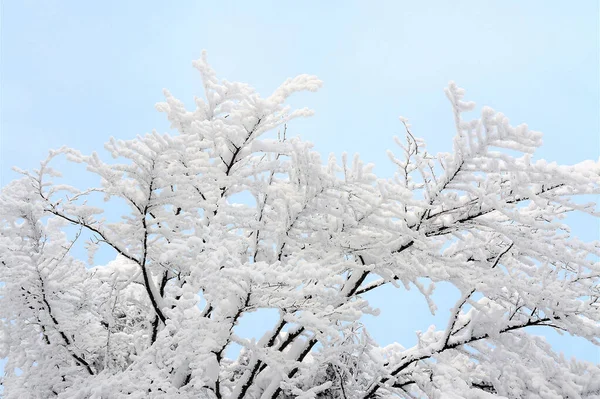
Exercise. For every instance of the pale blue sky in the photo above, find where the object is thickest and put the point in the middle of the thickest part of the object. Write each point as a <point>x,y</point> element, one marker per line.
<point>75,73</point>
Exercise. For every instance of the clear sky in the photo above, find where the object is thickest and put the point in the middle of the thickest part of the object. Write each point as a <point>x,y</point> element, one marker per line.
<point>76,72</point>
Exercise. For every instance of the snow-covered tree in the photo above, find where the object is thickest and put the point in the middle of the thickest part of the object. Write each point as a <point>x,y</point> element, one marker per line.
<point>310,241</point>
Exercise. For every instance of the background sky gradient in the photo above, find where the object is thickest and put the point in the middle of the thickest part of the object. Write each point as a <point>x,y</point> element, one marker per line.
<point>75,73</point>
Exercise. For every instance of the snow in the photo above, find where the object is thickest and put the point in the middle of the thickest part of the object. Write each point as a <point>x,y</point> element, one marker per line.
<point>196,259</point>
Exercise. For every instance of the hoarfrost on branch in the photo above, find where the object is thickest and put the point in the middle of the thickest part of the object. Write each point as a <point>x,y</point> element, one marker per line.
<point>159,319</point>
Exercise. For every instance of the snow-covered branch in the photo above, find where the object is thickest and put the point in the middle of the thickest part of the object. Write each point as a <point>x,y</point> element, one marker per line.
<point>226,218</point>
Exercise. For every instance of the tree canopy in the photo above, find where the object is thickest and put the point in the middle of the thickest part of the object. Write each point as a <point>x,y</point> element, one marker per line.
<point>311,240</point>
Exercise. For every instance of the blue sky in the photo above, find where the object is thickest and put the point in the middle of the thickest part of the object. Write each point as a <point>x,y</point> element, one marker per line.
<point>75,73</point>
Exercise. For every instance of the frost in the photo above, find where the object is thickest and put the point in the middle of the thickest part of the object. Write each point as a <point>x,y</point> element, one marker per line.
<point>311,240</point>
